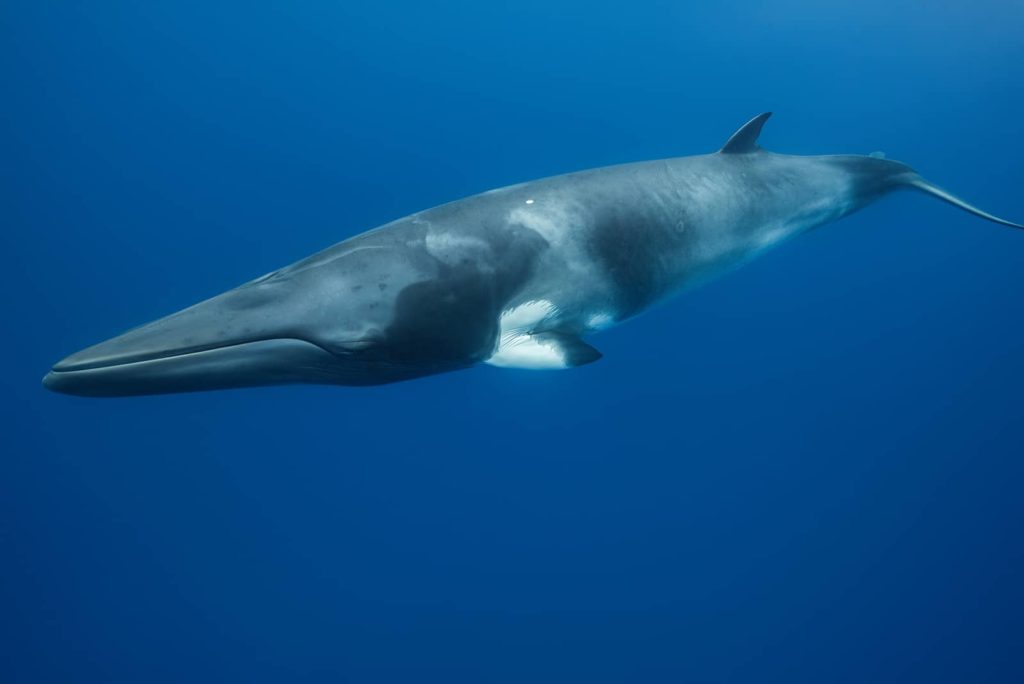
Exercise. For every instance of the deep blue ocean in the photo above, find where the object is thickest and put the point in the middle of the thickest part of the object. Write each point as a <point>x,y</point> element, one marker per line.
<point>810,470</point>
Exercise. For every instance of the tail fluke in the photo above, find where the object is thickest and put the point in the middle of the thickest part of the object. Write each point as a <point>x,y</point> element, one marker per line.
<point>921,184</point>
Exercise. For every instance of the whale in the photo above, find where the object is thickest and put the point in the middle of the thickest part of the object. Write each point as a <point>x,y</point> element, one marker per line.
<point>518,277</point>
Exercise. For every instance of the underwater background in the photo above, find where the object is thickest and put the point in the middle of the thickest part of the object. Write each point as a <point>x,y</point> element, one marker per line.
<point>807,471</point>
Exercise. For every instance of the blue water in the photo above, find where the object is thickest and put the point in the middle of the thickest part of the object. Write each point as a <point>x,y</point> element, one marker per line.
<point>808,471</point>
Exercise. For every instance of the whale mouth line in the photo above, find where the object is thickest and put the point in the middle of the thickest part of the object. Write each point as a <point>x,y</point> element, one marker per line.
<point>272,361</point>
<point>67,366</point>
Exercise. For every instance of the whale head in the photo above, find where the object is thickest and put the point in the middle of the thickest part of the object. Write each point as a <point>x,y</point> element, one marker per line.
<point>352,315</point>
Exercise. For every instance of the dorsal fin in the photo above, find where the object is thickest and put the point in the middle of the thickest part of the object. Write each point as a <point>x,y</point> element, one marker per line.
<point>744,140</point>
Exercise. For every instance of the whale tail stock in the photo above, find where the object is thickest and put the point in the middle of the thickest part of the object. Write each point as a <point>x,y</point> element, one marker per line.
<point>877,174</point>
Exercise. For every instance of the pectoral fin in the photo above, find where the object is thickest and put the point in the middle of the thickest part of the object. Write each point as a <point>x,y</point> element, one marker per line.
<point>542,351</point>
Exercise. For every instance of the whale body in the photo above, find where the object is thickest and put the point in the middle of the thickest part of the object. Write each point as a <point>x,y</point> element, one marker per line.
<point>514,277</point>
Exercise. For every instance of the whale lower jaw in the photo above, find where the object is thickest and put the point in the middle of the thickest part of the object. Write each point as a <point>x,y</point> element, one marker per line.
<point>248,364</point>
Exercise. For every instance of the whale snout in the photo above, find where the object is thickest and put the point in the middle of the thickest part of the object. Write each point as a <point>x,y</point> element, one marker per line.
<point>254,335</point>
<point>261,362</point>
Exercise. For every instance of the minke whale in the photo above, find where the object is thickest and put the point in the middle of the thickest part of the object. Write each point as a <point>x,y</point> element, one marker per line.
<point>516,277</point>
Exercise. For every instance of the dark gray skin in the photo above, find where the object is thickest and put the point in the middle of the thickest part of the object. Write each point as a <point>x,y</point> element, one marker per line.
<point>515,277</point>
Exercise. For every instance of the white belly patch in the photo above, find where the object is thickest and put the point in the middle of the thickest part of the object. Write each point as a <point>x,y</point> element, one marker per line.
<point>517,347</point>
<point>521,346</point>
<point>527,351</point>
